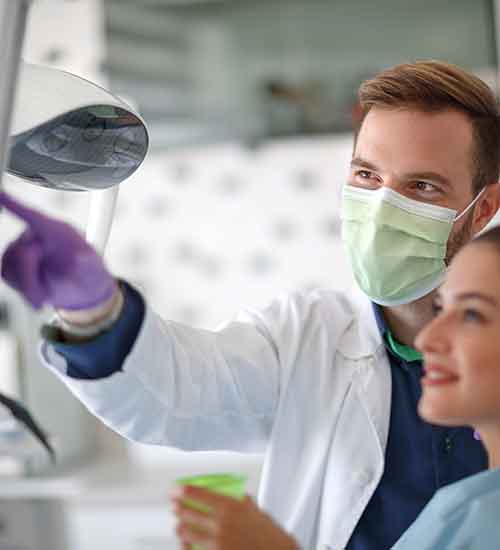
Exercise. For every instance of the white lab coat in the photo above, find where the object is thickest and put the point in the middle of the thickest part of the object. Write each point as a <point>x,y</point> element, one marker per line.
<point>306,380</point>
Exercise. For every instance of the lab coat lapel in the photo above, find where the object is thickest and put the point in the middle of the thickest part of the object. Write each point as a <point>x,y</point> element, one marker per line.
<point>356,458</point>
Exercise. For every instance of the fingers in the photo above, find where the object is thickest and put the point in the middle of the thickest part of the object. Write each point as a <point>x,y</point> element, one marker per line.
<point>21,268</point>
<point>48,229</point>
<point>193,538</point>
<point>29,215</point>
<point>188,516</point>
<point>203,517</point>
<point>208,499</point>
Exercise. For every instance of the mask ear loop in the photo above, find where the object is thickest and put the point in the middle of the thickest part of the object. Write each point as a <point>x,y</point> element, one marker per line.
<point>470,206</point>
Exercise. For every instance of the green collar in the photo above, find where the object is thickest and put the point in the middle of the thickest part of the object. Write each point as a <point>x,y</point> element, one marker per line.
<point>403,352</point>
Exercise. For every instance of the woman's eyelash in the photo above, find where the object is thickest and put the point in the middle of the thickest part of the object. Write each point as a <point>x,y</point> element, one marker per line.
<point>436,308</point>
<point>472,315</point>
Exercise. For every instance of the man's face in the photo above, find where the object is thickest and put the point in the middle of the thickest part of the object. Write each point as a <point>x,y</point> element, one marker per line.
<point>423,156</point>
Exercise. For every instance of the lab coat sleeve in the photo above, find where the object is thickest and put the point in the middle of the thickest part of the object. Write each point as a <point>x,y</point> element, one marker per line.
<point>189,388</point>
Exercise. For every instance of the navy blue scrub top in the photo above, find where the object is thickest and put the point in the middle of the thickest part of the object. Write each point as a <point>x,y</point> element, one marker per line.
<point>419,458</point>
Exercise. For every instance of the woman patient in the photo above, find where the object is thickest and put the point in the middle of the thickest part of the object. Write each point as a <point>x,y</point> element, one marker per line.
<point>461,386</point>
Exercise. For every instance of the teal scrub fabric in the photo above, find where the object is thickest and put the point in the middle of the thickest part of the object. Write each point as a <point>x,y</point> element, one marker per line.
<point>461,516</point>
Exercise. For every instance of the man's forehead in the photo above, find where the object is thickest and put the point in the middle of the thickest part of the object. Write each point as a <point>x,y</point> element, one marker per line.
<point>414,141</point>
<point>449,121</point>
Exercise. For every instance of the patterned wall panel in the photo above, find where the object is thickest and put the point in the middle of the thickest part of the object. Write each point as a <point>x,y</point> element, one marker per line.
<point>206,231</point>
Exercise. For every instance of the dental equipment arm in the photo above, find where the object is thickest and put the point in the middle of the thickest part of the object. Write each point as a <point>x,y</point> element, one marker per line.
<point>13,15</point>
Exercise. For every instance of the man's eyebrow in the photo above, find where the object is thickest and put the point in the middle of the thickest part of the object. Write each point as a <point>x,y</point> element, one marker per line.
<point>476,296</point>
<point>429,175</point>
<point>358,161</point>
<point>433,176</point>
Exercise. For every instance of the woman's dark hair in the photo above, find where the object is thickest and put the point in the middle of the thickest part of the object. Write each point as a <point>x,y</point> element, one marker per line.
<point>492,236</point>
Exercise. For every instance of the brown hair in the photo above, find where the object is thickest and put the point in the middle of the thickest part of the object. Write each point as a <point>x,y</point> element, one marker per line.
<point>492,237</point>
<point>432,86</point>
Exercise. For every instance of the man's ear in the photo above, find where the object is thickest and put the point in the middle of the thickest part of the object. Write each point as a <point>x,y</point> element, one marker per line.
<point>487,206</point>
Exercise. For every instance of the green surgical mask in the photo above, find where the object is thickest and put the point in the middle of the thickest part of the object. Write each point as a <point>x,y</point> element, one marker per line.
<point>396,245</point>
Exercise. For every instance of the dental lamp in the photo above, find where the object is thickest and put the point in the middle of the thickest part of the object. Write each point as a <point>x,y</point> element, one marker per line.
<point>60,131</point>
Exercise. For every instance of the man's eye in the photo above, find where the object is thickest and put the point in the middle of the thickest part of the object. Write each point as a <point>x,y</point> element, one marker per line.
<point>425,186</point>
<point>364,174</point>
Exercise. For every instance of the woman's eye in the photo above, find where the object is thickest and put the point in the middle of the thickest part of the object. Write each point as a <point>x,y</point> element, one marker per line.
<point>436,309</point>
<point>472,315</point>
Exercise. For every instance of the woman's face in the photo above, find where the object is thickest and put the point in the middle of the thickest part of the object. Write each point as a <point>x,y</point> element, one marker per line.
<point>461,346</point>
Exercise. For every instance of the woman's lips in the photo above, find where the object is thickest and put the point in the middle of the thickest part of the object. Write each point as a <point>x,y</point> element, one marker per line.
<point>437,376</point>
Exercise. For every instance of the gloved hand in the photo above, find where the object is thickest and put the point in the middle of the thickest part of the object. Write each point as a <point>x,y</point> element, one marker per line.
<point>52,264</point>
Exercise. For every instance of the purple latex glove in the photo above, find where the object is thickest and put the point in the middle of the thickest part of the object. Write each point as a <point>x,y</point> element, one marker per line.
<point>51,263</point>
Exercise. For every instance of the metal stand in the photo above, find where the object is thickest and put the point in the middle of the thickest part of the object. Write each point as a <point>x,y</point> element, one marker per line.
<point>13,14</point>
<point>100,217</point>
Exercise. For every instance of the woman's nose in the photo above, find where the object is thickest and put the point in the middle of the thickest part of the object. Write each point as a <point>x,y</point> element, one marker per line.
<point>434,336</point>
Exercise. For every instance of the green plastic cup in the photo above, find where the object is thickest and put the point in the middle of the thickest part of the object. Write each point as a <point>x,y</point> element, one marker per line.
<point>230,485</point>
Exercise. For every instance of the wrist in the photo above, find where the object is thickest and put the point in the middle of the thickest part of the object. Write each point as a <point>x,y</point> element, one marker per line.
<point>91,316</point>
<point>88,324</point>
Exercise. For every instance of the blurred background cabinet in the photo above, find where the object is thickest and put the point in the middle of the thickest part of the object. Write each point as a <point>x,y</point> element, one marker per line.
<point>29,525</point>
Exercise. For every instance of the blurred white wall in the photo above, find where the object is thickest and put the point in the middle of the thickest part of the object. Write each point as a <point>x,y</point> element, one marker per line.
<point>67,35</point>
<point>206,231</point>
